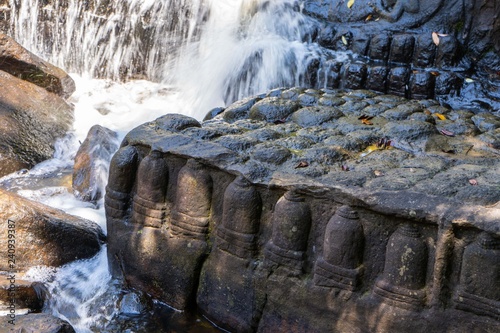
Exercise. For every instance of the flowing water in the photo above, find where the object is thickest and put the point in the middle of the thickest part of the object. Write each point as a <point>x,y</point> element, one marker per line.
<point>133,61</point>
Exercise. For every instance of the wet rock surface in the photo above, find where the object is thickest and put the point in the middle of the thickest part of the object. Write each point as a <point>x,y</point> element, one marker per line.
<point>38,323</point>
<point>31,119</point>
<point>91,163</point>
<point>314,210</point>
<point>44,235</point>
<point>19,62</point>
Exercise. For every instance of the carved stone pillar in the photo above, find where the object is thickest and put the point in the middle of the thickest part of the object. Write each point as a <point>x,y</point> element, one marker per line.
<point>191,211</point>
<point>240,220</point>
<point>479,290</point>
<point>403,281</point>
<point>340,264</point>
<point>152,181</point>
<point>123,168</point>
<point>291,224</point>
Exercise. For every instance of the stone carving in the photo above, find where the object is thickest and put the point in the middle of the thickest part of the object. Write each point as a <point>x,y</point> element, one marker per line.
<point>393,9</point>
<point>291,223</point>
<point>340,265</point>
<point>191,210</point>
<point>121,181</point>
<point>479,290</point>
<point>403,281</point>
<point>149,202</point>
<point>223,295</point>
<point>240,220</point>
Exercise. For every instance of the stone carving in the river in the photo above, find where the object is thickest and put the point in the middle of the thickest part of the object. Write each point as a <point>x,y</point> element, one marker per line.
<point>479,290</point>
<point>291,224</point>
<point>340,264</point>
<point>405,270</point>
<point>240,220</point>
<point>222,293</point>
<point>190,214</point>
<point>149,202</point>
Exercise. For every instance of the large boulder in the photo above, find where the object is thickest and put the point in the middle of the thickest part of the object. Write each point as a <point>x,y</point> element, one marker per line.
<point>43,235</point>
<point>90,171</point>
<point>36,323</point>
<point>19,62</point>
<point>31,119</point>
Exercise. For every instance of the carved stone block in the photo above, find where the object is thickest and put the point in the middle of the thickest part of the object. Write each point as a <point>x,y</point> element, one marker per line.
<point>149,202</point>
<point>479,290</point>
<point>340,264</point>
<point>403,281</point>
<point>191,210</point>
<point>291,223</point>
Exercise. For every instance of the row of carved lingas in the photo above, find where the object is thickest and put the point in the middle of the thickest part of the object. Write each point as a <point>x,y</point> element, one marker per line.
<point>421,52</point>
<point>479,290</point>
<point>240,220</point>
<point>400,81</point>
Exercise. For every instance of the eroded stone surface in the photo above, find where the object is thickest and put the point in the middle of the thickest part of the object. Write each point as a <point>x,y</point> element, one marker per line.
<point>314,215</point>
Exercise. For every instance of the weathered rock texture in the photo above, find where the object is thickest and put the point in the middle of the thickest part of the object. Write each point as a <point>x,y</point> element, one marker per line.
<point>31,119</point>
<point>44,235</point>
<point>19,62</point>
<point>91,163</point>
<point>296,211</point>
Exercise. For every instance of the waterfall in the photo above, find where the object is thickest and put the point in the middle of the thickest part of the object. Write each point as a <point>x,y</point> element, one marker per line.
<point>215,51</point>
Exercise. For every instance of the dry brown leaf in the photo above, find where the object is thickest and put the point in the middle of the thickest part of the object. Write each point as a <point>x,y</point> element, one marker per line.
<point>302,164</point>
<point>435,38</point>
<point>435,73</point>
<point>378,173</point>
<point>369,17</point>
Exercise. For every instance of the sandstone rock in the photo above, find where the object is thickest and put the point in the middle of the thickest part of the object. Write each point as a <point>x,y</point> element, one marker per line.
<point>314,223</point>
<point>31,119</point>
<point>44,235</point>
<point>37,323</point>
<point>19,62</point>
<point>90,171</point>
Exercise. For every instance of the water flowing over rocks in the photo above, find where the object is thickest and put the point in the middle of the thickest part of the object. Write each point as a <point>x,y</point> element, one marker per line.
<point>90,170</point>
<point>44,235</point>
<point>314,210</point>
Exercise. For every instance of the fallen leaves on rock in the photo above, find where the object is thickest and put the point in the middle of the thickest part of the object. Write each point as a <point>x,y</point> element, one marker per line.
<point>435,38</point>
<point>440,116</point>
<point>345,167</point>
<point>473,182</point>
<point>344,40</point>
<point>378,173</point>
<point>302,164</point>
<point>469,80</point>
<point>369,17</point>
<point>350,3</point>
<point>446,132</point>
<point>366,119</point>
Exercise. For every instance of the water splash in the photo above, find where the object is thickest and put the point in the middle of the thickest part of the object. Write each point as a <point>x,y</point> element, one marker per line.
<point>213,51</point>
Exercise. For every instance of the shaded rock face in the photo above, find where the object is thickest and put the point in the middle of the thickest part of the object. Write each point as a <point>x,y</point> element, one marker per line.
<point>36,323</point>
<point>19,62</point>
<point>378,218</point>
<point>44,235</point>
<point>31,119</point>
<point>90,170</point>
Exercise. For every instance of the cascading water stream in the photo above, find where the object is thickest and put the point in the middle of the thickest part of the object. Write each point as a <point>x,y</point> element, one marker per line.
<point>190,56</point>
